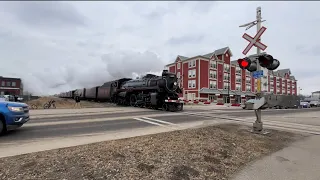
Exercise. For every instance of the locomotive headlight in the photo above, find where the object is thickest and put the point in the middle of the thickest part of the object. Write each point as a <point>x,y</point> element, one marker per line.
<point>175,83</point>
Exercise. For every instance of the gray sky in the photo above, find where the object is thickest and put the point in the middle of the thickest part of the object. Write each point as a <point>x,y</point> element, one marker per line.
<point>58,46</point>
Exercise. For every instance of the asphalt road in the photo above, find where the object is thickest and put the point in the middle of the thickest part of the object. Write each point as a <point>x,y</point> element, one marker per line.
<point>100,123</point>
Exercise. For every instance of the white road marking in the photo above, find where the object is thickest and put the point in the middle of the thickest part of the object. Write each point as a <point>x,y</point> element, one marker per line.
<point>35,123</point>
<point>154,123</point>
<point>160,121</point>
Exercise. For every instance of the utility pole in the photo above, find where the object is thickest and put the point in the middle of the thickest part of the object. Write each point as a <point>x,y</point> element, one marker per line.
<point>229,87</point>
<point>257,125</point>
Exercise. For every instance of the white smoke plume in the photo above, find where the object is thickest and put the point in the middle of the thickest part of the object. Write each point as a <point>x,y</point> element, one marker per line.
<point>120,64</point>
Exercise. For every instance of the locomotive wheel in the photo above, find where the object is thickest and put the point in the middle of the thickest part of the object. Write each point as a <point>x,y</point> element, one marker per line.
<point>164,107</point>
<point>148,105</point>
<point>179,107</point>
<point>133,99</point>
<point>172,108</point>
<point>142,105</point>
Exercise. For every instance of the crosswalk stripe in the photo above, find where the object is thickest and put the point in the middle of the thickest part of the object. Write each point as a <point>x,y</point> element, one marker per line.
<point>160,121</point>
<point>150,122</point>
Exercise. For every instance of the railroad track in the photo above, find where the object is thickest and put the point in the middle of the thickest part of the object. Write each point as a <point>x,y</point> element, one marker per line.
<point>288,126</point>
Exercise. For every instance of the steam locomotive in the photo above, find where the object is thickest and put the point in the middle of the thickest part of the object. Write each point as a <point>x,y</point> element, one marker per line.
<point>151,91</point>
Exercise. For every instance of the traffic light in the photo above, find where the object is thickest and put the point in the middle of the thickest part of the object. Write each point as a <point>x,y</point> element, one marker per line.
<point>268,62</point>
<point>247,64</point>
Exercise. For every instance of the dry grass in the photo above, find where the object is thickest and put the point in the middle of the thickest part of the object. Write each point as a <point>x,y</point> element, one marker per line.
<point>62,103</point>
<point>214,152</point>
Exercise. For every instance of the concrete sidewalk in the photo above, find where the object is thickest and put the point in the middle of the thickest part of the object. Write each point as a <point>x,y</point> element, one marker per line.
<point>300,161</point>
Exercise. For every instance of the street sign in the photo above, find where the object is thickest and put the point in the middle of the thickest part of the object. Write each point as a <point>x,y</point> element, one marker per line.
<point>257,74</point>
<point>254,41</point>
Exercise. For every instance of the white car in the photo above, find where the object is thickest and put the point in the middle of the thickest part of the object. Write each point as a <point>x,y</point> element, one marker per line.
<point>3,98</point>
<point>304,104</point>
<point>314,103</point>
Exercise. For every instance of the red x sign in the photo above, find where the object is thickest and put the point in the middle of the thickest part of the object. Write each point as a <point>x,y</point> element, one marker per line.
<point>254,41</point>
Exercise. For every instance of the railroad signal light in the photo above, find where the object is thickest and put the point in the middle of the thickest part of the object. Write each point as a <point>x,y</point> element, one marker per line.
<point>247,64</point>
<point>267,61</point>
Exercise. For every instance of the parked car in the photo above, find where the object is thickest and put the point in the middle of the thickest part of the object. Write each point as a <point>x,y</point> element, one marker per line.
<point>3,98</point>
<point>304,104</point>
<point>314,103</point>
<point>12,115</point>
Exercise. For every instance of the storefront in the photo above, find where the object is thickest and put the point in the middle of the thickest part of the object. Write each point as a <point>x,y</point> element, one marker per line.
<point>227,96</point>
<point>212,94</point>
<point>239,97</point>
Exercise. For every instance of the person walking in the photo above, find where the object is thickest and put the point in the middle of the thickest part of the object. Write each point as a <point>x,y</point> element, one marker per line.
<point>77,104</point>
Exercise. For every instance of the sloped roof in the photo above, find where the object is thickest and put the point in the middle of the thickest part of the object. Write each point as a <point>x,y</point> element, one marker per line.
<point>234,62</point>
<point>207,56</point>
<point>182,57</point>
<point>282,72</point>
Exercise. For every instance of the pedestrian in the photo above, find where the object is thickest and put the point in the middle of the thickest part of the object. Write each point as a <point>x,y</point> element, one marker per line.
<point>77,99</point>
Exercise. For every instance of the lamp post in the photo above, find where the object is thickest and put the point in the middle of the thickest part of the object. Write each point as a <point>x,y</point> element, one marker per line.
<point>229,87</point>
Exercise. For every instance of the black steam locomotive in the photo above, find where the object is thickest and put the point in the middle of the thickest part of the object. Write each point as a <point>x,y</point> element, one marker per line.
<point>151,91</point>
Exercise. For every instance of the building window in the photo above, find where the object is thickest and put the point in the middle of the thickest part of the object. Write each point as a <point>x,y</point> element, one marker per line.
<point>3,83</point>
<point>213,74</point>
<point>213,64</point>
<point>225,85</point>
<point>8,83</point>
<point>13,84</point>
<point>226,67</point>
<point>248,79</point>
<point>192,73</point>
<point>192,83</point>
<point>226,76</point>
<point>178,74</point>
<point>238,87</point>
<point>178,66</point>
<point>192,63</point>
<point>238,70</point>
<point>248,88</point>
<point>238,78</point>
<point>213,84</point>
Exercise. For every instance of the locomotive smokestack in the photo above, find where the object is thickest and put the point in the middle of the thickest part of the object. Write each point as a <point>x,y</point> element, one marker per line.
<point>164,72</point>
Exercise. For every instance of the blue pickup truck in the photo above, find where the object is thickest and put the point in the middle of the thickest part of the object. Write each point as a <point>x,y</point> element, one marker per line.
<point>12,115</point>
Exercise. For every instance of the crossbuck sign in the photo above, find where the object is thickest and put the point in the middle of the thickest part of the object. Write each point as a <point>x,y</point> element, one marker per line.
<point>254,41</point>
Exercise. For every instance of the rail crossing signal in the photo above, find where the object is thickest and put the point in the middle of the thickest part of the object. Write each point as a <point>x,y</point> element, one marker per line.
<point>247,64</point>
<point>264,60</point>
<point>268,62</point>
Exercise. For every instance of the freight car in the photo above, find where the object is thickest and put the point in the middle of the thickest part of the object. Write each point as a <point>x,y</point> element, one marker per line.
<point>81,93</point>
<point>91,93</point>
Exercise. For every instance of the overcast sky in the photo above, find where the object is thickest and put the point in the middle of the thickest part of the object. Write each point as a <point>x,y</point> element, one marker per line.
<point>58,46</point>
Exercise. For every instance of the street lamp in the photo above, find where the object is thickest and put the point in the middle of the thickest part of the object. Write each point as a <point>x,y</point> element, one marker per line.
<point>229,86</point>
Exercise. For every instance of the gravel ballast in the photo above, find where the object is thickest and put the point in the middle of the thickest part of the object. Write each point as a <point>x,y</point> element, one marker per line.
<point>214,152</point>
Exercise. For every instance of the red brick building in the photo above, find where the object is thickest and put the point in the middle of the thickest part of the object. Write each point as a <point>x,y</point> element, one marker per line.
<point>215,77</point>
<point>10,86</point>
